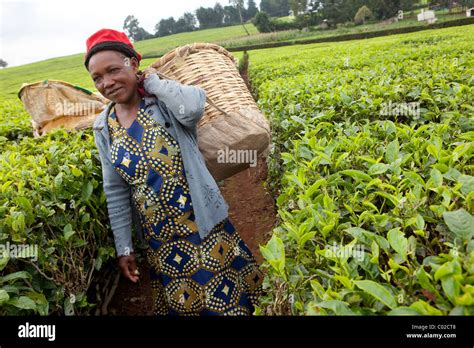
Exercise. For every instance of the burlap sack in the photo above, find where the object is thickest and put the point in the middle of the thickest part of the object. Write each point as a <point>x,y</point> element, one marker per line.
<point>53,104</point>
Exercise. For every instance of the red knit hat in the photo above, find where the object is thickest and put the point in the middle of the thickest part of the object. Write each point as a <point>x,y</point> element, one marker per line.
<point>109,39</point>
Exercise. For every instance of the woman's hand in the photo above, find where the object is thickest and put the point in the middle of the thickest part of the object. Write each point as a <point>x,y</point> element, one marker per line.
<point>141,77</point>
<point>128,267</point>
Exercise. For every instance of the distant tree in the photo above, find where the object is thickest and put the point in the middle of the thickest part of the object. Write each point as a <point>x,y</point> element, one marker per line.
<point>132,27</point>
<point>298,6</point>
<point>453,3</point>
<point>336,11</point>
<point>283,7</point>
<point>362,15</point>
<point>210,17</point>
<point>442,3</point>
<point>275,8</point>
<point>190,21</point>
<point>142,34</point>
<point>166,27</point>
<point>383,9</point>
<point>231,15</point>
<point>205,17</point>
<point>179,26</point>
<point>467,3</point>
<point>239,4</point>
<point>186,22</point>
<point>251,10</point>
<point>3,64</point>
<point>340,11</point>
<point>406,5</point>
<point>157,28</point>
<point>262,22</point>
<point>266,6</point>
<point>218,15</point>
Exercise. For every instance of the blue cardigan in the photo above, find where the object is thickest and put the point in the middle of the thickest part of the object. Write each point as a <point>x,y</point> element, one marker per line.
<point>178,108</point>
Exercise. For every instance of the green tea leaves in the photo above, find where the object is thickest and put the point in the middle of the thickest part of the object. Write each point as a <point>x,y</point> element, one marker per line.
<point>68,231</point>
<point>377,291</point>
<point>398,242</point>
<point>274,253</point>
<point>378,168</point>
<point>460,223</point>
<point>3,296</point>
<point>356,174</point>
<point>392,152</point>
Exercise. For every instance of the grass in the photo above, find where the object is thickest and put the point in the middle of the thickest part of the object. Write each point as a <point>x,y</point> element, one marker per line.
<point>160,46</point>
<point>287,19</point>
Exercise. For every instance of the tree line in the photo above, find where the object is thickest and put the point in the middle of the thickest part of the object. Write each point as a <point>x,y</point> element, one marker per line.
<point>203,18</point>
<point>307,13</point>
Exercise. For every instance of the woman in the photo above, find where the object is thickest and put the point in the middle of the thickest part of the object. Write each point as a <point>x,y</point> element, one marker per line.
<point>155,178</point>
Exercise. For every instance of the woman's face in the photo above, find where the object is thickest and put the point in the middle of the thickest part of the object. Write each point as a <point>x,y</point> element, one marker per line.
<point>114,75</point>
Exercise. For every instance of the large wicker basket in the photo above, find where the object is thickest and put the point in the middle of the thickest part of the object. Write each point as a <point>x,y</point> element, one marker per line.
<point>232,122</point>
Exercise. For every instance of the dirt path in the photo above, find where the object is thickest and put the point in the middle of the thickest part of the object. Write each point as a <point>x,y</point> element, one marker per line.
<point>252,209</point>
<point>252,212</point>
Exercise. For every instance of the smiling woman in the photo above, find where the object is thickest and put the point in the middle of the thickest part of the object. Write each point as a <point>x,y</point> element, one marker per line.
<point>114,76</point>
<point>155,178</point>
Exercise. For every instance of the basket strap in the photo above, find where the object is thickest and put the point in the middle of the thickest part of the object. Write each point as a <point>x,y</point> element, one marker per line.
<point>208,100</point>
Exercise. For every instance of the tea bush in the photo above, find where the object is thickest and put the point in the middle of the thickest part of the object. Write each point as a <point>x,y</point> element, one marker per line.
<point>51,202</point>
<point>372,166</point>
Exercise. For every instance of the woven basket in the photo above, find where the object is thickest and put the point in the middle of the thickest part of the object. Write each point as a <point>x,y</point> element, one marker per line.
<point>231,120</point>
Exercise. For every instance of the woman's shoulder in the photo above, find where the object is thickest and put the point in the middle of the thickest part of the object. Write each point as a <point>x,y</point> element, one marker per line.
<point>101,120</point>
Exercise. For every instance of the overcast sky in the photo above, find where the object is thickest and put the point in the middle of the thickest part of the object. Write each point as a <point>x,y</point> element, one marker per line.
<point>33,30</point>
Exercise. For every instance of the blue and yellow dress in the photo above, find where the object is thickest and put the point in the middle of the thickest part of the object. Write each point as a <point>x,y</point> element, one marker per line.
<point>189,276</point>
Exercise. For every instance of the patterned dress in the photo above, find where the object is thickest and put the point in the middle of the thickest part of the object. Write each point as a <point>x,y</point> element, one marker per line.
<point>189,276</point>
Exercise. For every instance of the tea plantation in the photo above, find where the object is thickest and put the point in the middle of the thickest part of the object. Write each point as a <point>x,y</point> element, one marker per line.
<point>372,167</point>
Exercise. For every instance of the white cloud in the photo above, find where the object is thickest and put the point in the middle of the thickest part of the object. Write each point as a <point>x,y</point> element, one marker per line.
<point>33,30</point>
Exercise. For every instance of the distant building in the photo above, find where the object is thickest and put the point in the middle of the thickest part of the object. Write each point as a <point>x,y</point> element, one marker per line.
<point>470,12</point>
<point>428,16</point>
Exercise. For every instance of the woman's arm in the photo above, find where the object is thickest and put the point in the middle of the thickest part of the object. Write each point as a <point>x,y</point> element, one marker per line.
<point>117,193</point>
<point>187,103</point>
